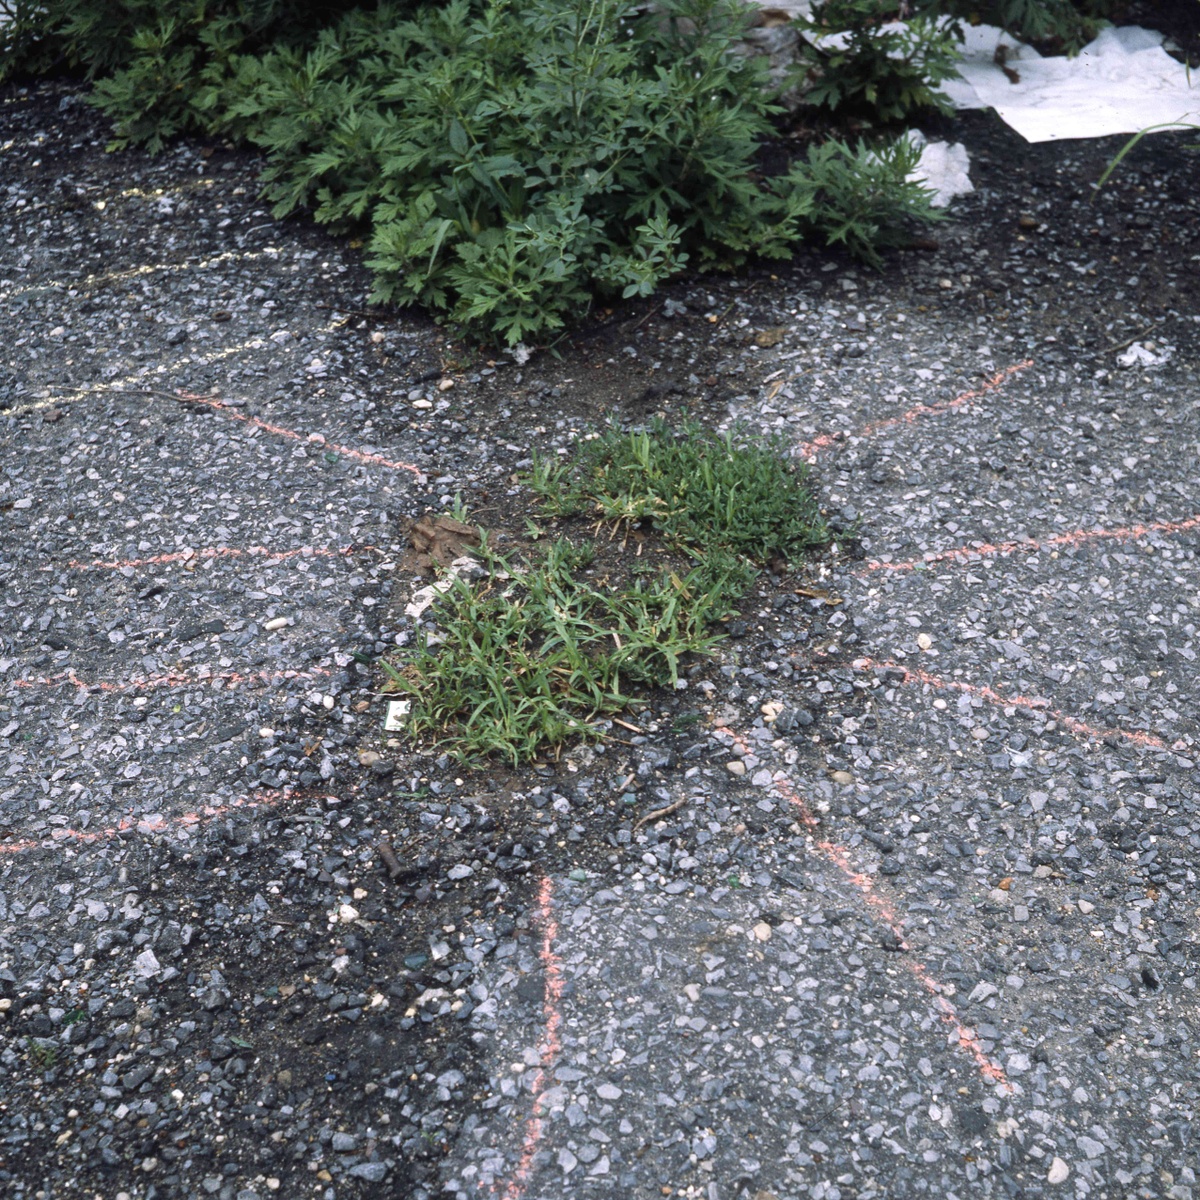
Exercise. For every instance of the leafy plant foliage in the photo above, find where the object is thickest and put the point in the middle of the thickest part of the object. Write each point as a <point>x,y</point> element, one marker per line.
<point>1068,24</point>
<point>511,159</point>
<point>870,72</point>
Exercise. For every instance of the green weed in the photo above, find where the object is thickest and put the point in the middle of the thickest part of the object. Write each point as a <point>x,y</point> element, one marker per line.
<point>537,654</point>
<point>42,1052</point>
<point>540,652</point>
<point>705,492</point>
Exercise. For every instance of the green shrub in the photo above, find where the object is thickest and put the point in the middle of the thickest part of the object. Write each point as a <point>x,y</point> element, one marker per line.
<point>509,159</point>
<point>874,74</point>
<point>517,159</point>
<point>161,66</point>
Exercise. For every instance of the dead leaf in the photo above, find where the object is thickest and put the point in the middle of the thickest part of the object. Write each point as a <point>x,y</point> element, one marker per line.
<point>440,540</point>
<point>766,338</point>
<point>817,594</point>
<point>1005,883</point>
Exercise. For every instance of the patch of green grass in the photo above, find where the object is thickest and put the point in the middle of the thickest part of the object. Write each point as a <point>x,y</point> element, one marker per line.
<point>702,491</point>
<point>42,1052</point>
<point>541,651</point>
<point>538,654</point>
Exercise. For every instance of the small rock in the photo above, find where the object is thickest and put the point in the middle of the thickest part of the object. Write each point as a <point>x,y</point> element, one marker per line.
<point>343,1143</point>
<point>737,767</point>
<point>275,623</point>
<point>1058,1171</point>
<point>924,641</point>
<point>347,914</point>
<point>843,777</point>
<point>146,964</point>
<point>762,931</point>
<point>372,1172</point>
<point>1086,906</point>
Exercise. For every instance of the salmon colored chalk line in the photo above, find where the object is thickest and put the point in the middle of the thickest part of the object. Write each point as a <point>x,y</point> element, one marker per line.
<point>317,438</point>
<point>916,675</point>
<point>551,1040</point>
<point>810,450</point>
<point>145,825</point>
<point>1076,537</point>
<point>211,552</point>
<point>967,1039</point>
<point>172,679</point>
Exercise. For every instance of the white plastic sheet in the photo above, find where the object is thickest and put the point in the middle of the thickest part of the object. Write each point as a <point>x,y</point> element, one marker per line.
<point>1122,82</point>
<point>943,168</point>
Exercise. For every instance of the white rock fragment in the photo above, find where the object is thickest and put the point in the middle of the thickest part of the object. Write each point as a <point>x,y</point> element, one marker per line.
<point>1058,1171</point>
<point>1144,355</point>
<point>146,964</point>
<point>276,623</point>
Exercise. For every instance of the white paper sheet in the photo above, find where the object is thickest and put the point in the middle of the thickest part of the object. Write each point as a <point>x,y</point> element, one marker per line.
<point>1122,82</point>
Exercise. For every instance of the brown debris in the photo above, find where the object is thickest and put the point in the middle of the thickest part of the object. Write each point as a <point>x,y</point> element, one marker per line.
<point>438,541</point>
<point>766,338</point>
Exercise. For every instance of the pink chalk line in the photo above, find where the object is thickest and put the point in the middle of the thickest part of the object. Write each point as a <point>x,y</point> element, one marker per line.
<point>839,856</point>
<point>211,552</point>
<point>1076,537</point>
<point>551,1040</point>
<point>316,438</point>
<point>172,679</point>
<point>810,450</point>
<point>916,675</point>
<point>157,824</point>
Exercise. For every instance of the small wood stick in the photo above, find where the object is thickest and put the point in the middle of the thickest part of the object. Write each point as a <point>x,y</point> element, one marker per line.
<point>388,854</point>
<point>659,812</point>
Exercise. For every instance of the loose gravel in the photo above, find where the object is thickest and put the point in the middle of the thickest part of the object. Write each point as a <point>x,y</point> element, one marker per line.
<point>920,917</point>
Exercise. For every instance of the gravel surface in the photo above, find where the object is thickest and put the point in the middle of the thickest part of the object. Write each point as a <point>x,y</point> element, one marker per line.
<point>920,919</point>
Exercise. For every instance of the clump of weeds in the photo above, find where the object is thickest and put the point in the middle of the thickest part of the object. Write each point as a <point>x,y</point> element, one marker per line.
<point>703,492</point>
<point>546,646</point>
